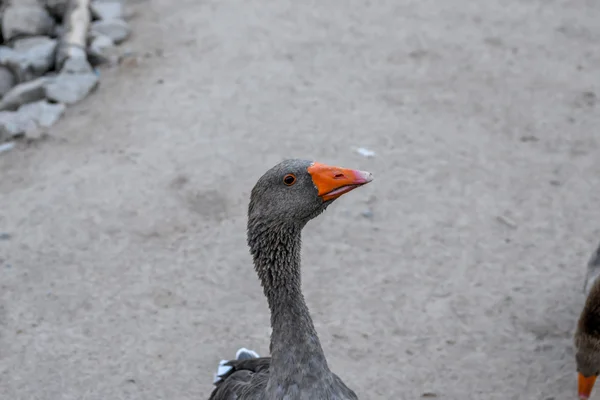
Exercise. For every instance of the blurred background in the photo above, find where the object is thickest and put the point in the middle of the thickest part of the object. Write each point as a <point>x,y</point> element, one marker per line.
<point>457,274</point>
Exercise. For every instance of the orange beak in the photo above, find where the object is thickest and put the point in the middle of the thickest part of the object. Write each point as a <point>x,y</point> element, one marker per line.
<point>585,385</point>
<point>332,182</point>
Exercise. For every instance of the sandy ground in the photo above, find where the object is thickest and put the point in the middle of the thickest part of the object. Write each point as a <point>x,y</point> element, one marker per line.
<point>124,272</point>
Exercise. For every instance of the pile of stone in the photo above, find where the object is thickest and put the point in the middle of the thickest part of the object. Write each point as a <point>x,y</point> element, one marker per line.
<point>47,57</point>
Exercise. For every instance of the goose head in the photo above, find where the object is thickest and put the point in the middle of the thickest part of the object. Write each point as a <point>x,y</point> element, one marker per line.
<point>295,191</point>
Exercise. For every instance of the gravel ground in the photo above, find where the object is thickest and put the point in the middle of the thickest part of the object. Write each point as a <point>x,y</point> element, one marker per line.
<point>456,274</point>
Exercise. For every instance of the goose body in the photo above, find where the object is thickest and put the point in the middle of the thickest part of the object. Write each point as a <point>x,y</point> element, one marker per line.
<point>248,379</point>
<point>587,333</point>
<point>283,200</point>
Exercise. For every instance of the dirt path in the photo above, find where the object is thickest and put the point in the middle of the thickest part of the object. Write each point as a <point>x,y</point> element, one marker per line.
<point>126,274</point>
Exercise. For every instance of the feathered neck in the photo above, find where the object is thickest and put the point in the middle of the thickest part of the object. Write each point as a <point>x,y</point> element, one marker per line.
<point>295,348</point>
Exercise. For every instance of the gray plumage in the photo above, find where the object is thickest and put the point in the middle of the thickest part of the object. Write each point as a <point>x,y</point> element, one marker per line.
<point>297,368</point>
<point>587,333</point>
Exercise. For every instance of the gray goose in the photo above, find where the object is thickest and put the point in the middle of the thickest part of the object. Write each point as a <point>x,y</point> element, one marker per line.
<point>587,334</point>
<point>283,200</point>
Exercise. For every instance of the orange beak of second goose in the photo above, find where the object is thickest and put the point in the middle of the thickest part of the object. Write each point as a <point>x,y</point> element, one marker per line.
<point>332,182</point>
<point>585,386</point>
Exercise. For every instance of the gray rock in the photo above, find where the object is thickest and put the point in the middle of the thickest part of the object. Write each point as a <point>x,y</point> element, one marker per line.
<point>7,80</point>
<point>9,125</point>
<point>24,93</point>
<point>116,29</point>
<point>107,9</point>
<point>45,114</point>
<point>70,88</point>
<point>26,20</point>
<point>76,63</point>
<point>66,51</point>
<point>57,7</point>
<point>101,43</point>
<point>37,53</point>
<point>6,54</point>
<point>29,118</point>
<point>12,60</point>
<point>13,124</point>
<point>31,57</point>
<point>32,42</point>
<point>17,64</point>
<point>59,31</point>
<point>102,50</point>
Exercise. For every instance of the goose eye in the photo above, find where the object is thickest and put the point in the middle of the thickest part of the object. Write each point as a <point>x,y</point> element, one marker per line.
<point>289,179</point>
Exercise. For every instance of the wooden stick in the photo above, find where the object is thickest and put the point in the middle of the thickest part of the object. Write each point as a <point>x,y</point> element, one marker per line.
<point>76,23</point>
